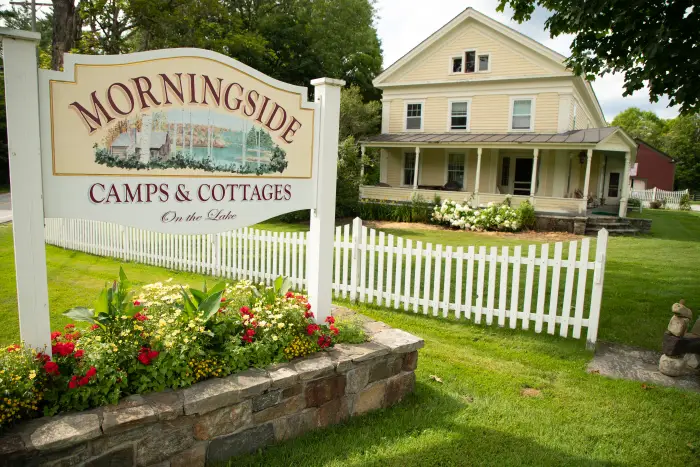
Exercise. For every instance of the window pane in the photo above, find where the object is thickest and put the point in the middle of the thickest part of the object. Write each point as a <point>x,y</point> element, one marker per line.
<point>413,116</point>
<point>458,120</point>
<point>413,123</point>
<point>505,172</point>
<point>522,107</point>
<point>459,108</point>
<point>409,168</point>
<point>483,62</point>
<point>457,65</point>
<point>521,123</point>
<point>470,62</point>
<point>458,123</point>
<point>414,110</point>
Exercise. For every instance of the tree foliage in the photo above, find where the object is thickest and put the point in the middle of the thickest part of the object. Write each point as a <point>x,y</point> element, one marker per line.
<point>651,42</point>
<point>642,124</point>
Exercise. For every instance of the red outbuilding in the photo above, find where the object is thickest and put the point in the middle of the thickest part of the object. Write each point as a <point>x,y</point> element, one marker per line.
<point>653,169</point>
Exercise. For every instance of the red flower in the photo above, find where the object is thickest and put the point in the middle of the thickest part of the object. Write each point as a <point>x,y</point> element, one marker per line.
<point>63,348</point>
<point>55,335</point>
<point>248,335</point>
<point>79,353</point>
<point>223,299</point>
<point>308,314</point>
<point>330,320</point>
<point>246,311</point>
<point>13,348</point>
<point>289,295</point>
<point>140,317</point>
<point>312,328</point>
<point>152,354</point>
<point>73,383</point>
<point>324,341</point>
<point>143,358</point>
<point>69,326</point>
<point>41,356</point>
<point>137,303</point>
<point>146,355</point>
<point>91,372</point>
<point>334,330</point>
<point>52,368</point>
<point>83,381</point>
<point>94,327</point>
<point>308,306</point>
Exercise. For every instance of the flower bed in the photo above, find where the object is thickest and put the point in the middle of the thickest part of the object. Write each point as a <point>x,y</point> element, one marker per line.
<point>166,337</point>
<point>499,217</point>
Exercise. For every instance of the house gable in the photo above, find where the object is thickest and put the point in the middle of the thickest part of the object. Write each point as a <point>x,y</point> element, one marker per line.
<point>507,58</point>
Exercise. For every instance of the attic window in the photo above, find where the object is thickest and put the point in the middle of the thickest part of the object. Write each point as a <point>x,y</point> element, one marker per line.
<point>470,62</point>
<point>484,62</point>
<point>457,64</point>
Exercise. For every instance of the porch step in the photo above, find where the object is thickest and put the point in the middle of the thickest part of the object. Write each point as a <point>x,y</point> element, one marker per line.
<point>614,226</point>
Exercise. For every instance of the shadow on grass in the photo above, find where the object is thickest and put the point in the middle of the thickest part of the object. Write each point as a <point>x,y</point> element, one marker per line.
<point>426,429</point>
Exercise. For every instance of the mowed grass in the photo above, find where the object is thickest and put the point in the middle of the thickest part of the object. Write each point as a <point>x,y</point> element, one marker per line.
<point>478,416</point>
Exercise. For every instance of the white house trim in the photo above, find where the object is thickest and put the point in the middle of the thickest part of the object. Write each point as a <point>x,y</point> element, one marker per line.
<point>533,113</point>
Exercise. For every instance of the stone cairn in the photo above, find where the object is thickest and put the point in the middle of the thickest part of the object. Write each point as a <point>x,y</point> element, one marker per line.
<point>681,349</point>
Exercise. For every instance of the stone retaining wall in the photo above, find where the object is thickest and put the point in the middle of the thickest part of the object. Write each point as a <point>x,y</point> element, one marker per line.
<point>555,223</point>
<point>217,419</point>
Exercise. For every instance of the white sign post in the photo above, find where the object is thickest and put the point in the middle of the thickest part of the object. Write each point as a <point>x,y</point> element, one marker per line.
<point>176,141</point>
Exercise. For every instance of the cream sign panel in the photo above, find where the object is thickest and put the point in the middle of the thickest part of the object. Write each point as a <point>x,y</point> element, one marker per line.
<point>178,140</point>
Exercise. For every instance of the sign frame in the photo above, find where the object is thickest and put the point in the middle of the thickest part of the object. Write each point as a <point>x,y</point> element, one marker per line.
<point>30,141</point>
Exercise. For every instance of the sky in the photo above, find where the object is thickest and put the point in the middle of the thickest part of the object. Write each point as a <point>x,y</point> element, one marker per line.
<point>403,24</point>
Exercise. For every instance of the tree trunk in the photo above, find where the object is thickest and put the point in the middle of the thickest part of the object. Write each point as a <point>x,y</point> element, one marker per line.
<point>64,31</point>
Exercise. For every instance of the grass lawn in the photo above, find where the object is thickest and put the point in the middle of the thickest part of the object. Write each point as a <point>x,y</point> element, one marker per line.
<point>478,415</point>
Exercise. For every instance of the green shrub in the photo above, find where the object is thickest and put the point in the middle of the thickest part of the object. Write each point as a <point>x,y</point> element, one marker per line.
<point>526,215</point>
<point>685,202</point>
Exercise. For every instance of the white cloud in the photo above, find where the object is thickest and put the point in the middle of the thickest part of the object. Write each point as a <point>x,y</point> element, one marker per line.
<point>403,24</point>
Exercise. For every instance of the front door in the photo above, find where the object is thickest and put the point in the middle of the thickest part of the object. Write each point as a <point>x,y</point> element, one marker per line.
<point>522,181</point>
<point>614,187</point>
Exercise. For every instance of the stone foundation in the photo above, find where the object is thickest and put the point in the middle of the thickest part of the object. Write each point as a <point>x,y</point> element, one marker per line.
<point>643,225</point>
<point>554,223</point>
<point>217,419</point>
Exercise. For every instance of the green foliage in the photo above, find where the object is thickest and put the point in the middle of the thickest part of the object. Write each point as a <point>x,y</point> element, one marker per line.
<point>351,330</point>
<point>417,210</point>
<point>653,44</point>
<point>682,142</point>
<point>203,303</point>
<point>347,192</point>
<point>642,124</point>
<point>358,118</point>
<point>685,202</point>
<point>114,301</point>
<point>268,295</point>
<point>526,215</point>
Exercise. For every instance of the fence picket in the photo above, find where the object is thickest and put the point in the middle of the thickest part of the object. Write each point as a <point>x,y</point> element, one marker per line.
<point>380,270</point>
<point>581,292</point>
<point>541,289</point>
<point>515,288</point>
<point>493,258</point>
<point>529,279</point>
<point>372,253</point>
<point>397,278</point>
<point>417,276</point>
<point>480,284</point>
<point>470,283</point>
<point>389,269</point>
<point>407,277</point>
<point>503,292</point>
<point>554,293</point>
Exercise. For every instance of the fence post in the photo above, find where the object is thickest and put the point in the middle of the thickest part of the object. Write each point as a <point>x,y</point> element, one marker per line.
<point>216,257</point>
<point>355,260</point>
<point>653,194</point>
<point>597,291</point>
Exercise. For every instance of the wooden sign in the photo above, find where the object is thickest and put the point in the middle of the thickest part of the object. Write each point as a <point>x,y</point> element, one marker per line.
<point>178,141</point>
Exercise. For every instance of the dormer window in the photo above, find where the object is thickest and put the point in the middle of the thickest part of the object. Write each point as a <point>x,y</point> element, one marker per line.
<point>457,64</point>
<point>470,61</point>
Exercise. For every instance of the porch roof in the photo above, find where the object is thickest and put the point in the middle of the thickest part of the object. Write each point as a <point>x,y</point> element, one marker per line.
<point>588,136</point>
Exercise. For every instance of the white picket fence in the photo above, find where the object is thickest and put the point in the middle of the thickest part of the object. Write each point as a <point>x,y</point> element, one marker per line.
<point>499,286</point>
<point>672,198</point>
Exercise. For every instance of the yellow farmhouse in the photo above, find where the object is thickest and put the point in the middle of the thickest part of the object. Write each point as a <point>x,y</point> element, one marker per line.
<point>479,111</point>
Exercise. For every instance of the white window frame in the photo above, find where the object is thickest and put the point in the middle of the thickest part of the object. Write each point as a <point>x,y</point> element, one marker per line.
<point>488,70</point>
<point>533,106</point>
<point>464,61</point>
<point>448,153</point>
<point>405,115</point>
<point>403,167</point>
<point>449,70</point>
<point>468,101</point>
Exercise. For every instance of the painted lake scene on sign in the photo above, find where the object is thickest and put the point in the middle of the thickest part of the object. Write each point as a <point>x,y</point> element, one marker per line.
<point>191,139</point>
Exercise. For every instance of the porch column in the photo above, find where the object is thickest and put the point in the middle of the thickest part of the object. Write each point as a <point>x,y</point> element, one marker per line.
<point>586,181</point>
<point>533,181</point>
<point>415,170</point>
<point>362,165</point>
<point>478,175</point>
<point>625,186</point>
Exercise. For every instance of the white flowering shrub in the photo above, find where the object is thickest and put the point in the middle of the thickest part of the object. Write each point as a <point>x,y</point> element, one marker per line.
<point>499,217</point>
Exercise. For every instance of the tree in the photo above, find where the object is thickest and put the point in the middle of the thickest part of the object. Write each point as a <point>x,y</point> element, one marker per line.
<point>650,42</point>
<point>66,29</point>
<point>357,118</point>
<point>682,142</point>
<point>107,26</point>
<point>642,124</point>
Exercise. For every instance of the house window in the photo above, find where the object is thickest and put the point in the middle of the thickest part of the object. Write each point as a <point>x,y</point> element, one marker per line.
<point>470,62</point>
<point>522,114</point>
<point>614,185</point>
<point>484,62</point>
<point>505,172</point>
<point>457,64</point>
<point>459,112</point>
<point>414,116</point>
<point>455,170</point>
<point>409,167</point>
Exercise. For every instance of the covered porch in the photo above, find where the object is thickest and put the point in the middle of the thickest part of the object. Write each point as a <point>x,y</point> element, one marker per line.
<point>557,173</point>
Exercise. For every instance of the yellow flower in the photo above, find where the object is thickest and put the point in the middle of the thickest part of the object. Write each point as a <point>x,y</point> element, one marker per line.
<point>32,374</point>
